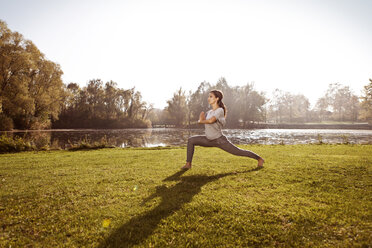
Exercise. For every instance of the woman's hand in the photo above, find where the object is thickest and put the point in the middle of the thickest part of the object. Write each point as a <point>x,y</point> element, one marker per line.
<point>201,117</point>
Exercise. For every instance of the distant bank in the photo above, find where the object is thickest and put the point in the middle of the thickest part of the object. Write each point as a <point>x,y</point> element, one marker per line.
<point>355,126</point>
<point>358,126</point>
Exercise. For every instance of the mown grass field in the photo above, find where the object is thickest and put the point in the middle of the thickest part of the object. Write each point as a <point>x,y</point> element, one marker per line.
<point>306,196</point>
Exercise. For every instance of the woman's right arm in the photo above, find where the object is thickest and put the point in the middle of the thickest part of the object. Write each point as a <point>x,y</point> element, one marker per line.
<point>209,121</point>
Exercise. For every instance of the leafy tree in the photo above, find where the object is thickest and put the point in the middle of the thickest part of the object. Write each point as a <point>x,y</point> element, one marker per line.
<point>277,106</point>
<point>177,108</point>
<point>300,108</point>
<point>31,89</point>
<point>198,101</point>
<point>231,100</point>
<point>342,101</point>
<point>366,104</point>
<point>321,107</point>
<point>102,105</point>
<point>287,107</point>
<point>251,103</point>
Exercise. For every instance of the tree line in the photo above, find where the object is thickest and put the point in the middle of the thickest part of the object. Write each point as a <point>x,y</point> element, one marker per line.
<point>244,104</point>
<point>33,96</point>
<point>247,106</point>
<point>100,105</point>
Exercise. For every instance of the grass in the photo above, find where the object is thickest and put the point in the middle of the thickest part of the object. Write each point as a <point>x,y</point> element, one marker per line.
<point>306,196</point>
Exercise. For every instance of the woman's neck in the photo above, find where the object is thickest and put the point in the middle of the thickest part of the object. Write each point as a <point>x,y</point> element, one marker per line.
<point>215,106</point>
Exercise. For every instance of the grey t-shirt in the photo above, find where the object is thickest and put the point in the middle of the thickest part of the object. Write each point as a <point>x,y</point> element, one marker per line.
<point>214,130</point>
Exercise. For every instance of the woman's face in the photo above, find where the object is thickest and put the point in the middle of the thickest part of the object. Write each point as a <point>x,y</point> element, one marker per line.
<point>212,99</point>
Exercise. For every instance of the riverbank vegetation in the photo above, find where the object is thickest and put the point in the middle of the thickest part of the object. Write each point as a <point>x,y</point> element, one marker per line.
<point>12,144</point>
<point>33,96</point>
<point>305,196</point>
<point>100,105</point>
<point>42,141</point>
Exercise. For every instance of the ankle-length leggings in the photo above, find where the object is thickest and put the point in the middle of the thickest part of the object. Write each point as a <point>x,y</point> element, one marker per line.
<point>221,142</point>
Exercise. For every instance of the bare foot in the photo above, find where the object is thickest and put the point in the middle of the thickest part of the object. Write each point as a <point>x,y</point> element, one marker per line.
<point>260,163</point>
<point>186,166</point>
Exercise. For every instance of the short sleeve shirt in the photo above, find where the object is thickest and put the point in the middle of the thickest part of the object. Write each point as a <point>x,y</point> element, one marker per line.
<point>214,130</point>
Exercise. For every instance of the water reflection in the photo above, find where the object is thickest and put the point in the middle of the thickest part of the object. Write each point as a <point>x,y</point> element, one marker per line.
<point>178,137</point>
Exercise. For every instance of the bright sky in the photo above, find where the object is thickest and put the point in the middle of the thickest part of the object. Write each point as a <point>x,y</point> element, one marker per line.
<point>299,46</point>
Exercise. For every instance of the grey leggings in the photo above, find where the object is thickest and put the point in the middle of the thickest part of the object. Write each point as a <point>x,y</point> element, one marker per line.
<point>221,142</point>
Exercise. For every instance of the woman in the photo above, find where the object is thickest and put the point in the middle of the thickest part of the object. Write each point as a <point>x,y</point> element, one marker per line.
<point>214,120</point>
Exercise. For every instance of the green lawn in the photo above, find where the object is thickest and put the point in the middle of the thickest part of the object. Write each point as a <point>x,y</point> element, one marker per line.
<point>306,196</point>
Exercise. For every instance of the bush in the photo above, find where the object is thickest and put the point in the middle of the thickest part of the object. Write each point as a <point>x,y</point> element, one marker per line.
<point>86,144</point>
<point>345,139</point>
<point>16,144</point>
<point>320,139</point>
<point>6,123</point>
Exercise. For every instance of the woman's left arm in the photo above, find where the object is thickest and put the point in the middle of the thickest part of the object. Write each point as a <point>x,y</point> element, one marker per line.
<point>209,121</point>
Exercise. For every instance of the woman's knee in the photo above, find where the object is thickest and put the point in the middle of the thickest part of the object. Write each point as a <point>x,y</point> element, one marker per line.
<point>230,148</point>
<point>192,140</point>
<point>197,140</point>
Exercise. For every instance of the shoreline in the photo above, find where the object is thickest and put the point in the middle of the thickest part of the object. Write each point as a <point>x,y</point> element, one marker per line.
<point>362,126</point>
<point>311,126</point>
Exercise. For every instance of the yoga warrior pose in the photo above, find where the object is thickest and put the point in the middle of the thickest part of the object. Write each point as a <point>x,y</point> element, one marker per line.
<point>214,120</point>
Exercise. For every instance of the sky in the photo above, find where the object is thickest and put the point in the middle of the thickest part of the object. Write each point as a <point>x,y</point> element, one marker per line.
<point>300,46</point>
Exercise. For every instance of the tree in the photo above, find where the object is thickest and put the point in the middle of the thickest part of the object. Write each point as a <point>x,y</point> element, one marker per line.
<point>177,108</point>
<point>288,107</point>
<point>277,106</point>
<point>251,103</point>
<point>102,105</point>
<point>354,109</point>
<point>31,88</point>
<point>47,92</point>
<point>321,107</point>
<point>231,101</point>
<point>366,104</point>
<point>300,108</point>
<point>342,102</point>
<point>198,101</point>
<point>136,104</point>
<point>111,99</point>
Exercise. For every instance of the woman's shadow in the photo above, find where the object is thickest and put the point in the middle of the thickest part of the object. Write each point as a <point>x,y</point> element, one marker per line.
<point>173,198</point>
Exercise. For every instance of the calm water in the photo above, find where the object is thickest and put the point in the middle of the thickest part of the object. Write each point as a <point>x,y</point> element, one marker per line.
<point>175,137</point>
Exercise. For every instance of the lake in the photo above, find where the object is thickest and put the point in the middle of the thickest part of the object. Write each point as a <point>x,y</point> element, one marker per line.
<point>178,137</point>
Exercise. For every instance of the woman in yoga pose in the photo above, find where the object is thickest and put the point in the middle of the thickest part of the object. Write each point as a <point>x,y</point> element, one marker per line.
<point>214,120</point>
